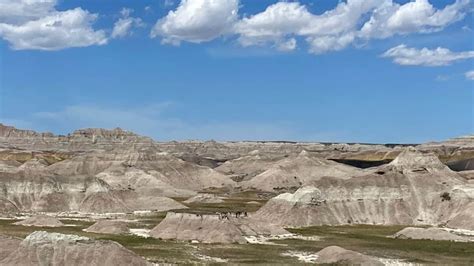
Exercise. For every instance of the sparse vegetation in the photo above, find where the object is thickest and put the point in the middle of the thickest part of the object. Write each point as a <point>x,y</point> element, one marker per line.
<point>445,196</point>
<point>367,239</point>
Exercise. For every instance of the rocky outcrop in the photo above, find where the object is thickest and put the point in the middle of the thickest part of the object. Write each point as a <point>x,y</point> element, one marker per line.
<point>97,171</point>
<point>163,168</point>
<point>247,167</point>
<point>205,198</point>
<point>126,201</point>
<point>209,152</point>
<point>40,221</point>
<point>79,140</point>
<point>42,248</point>
<point>12,132</point>
<point>7,207</point>
<point>24,192</point>
<point>452,150</point>
<point>141,181</point>
<point>297,171</point>
<point>211,228</point>
<point>335,255</point>
<point>464,219</point>
<point>432,233</point>
<point>112,227</point>
<point>413,189</point>
<point>411,160</point>
<point>8,245</point>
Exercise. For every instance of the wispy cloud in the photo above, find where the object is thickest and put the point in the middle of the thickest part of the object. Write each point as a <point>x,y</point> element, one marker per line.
<point>169,3</point>
<point>123,27</point>
<point>470,75</point>
<point>154,121</point>
<point>408,56</point>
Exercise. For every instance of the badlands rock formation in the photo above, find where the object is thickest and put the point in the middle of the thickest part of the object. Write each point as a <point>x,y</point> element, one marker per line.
<point>246,167</point>
<point>8,245</point>
<point>211,228</point>
<point>79,140</point>
<point>94,171</point>
<point>116,171</point>
<point>335,255</point>
<point>415,188</point>
<point>452,150</point>
<point>41,192</point>
<point>40,221</point>
<point>432,233</point>
<point>112,227</point>
<point>205,198</point>
<point>42,248</point>
<point>301,170</point>
<point>464,219</point>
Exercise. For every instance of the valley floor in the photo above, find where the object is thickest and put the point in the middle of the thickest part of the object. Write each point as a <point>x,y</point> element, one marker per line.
<point>368,239</point>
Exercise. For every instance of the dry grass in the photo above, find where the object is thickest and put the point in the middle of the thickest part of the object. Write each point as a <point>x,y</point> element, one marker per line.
<point>370,240</point>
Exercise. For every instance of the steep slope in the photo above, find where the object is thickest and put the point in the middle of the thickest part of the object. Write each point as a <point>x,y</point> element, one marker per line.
<point>109,227</point>
<point>246,167</point>
<point>40,221</point>
<point>42,248</point>
<point>414,189</point>
<point>464,219</point>
<point>211,228</point>
<point>164,170</point>
<point>22,191</point>
<point>297,171</point>
<point>79,140</point>
<point>335,255</point>
<point>205,198</point>
<point>452,150</point>
<point>8,245</point>
<point>431,233</point>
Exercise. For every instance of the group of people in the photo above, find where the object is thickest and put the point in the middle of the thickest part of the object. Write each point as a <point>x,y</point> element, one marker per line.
<point>227,215</point>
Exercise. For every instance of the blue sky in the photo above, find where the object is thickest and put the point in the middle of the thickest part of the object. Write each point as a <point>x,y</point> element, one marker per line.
<point>232,83</point>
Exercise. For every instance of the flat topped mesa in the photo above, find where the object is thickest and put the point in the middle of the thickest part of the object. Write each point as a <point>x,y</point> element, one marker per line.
<point>116,133</point>
<point>212,228</point>
<point>79,140</point>
<point>12,132</point>
<point>467,140</point>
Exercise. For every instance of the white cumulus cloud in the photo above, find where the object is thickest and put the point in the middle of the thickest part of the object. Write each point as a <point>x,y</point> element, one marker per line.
<point>36,24</point>
<point>404,55</point>
<point>332,30</point>
<point>418,16</point>
<point>197,21</point>
<point>20,11</point>
<point>273,25</point>
<point>283,24</point>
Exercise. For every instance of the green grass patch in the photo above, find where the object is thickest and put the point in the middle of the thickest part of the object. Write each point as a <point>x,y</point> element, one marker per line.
<point>374,240</point>
<point>367,239</point>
